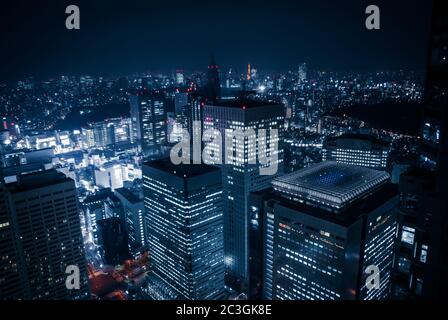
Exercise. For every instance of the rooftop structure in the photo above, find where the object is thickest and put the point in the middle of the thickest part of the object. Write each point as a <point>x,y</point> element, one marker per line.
<point>330,184</point>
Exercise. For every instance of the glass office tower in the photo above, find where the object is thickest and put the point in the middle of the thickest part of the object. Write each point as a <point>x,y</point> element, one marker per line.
<point>43,234</point>
<point>240,175</point>
<point>148,117</point>
<point>184,222</point>
<point>321,229</point>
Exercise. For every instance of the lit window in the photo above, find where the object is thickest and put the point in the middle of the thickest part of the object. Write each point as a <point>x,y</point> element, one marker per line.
<point>423,253</point>
<point>407,235</point>
<point>404,264</point>
<point>418,286</point>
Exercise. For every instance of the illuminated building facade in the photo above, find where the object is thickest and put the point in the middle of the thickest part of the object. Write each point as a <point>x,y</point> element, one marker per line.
<point>435,281</point>
<point>8,123</point>
<point>11,280</point>
<point>180,78</point>
<point>195,114</point>
<point>240,176</point>
<point>357,149</point>
<point>94,210</point>
<point>321,228</point>
<point>109,175</point>
<point>417,193</point>
<point>148,117</point>
<point>98,135</point>
<point>421,262</point>
<point>42,223</point>
<point>303,72</point>
<point>184,221</point>
<point>180,101</point>
<point>134,211</point>
<point>88,140</point>
<point>436,87</point>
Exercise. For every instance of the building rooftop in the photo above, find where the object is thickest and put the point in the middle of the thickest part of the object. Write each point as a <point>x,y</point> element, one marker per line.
<point>128,195</point>
<point>37,180</point>
<point>364,141</point>
<point>100,195</point>
<point>345,217</point>
<point>244,103</point>
<point>330,184</point>
<point>182,170</point>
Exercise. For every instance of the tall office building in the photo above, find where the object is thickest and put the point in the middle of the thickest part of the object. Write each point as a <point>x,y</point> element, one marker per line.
<point>148,116</point>
<point>43,230</point>
<point>12,284</point>
<point>98,135</point>
<point>357,149</point>
<point>240,176</point>
<point>213,83</point>
<point>321,228</point>
<point>180,78</point>
<point>421,264</point>
<point>116,130</point>
<point>303,69</point>
<point>435,100</point>
<point>114,240</point>
<point>180,101</point>
<point>184,222</point>
<point>114,209</point>
<point>94,210</point>
<point>134,211</point>
<point>103,134</point>
<point>417,194</point>
<point>195,115</point>
<point>88,138</point>
<point>175,127</point>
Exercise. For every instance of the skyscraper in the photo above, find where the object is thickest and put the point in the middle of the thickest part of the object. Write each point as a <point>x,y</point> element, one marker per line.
<point>184,227</point>
<point>417,194</point>
<point>435,101</point>
<point>241,176</point>
<point>180,78</point>
<point>196,115</point>
<point>134,210</point>
<point>148,116</point>
<point>43,216</point>
<point>303,72</point>
<point>12,284</point>
<point>322,229</point>
<point>421,264</point>
<point>94,210</point>
<point>357,149</point>
<point>114,240</point>
<point>98,134</point>
<point>213,84</point>
<point>180,101</point>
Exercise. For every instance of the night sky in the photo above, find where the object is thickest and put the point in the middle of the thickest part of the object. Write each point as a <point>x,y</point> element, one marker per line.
<point>122,37</point>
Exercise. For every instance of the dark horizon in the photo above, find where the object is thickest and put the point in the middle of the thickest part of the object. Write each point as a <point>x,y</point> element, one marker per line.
<point>118,38</point>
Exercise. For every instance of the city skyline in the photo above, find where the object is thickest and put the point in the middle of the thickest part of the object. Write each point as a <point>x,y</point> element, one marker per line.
<point>317,170</point>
